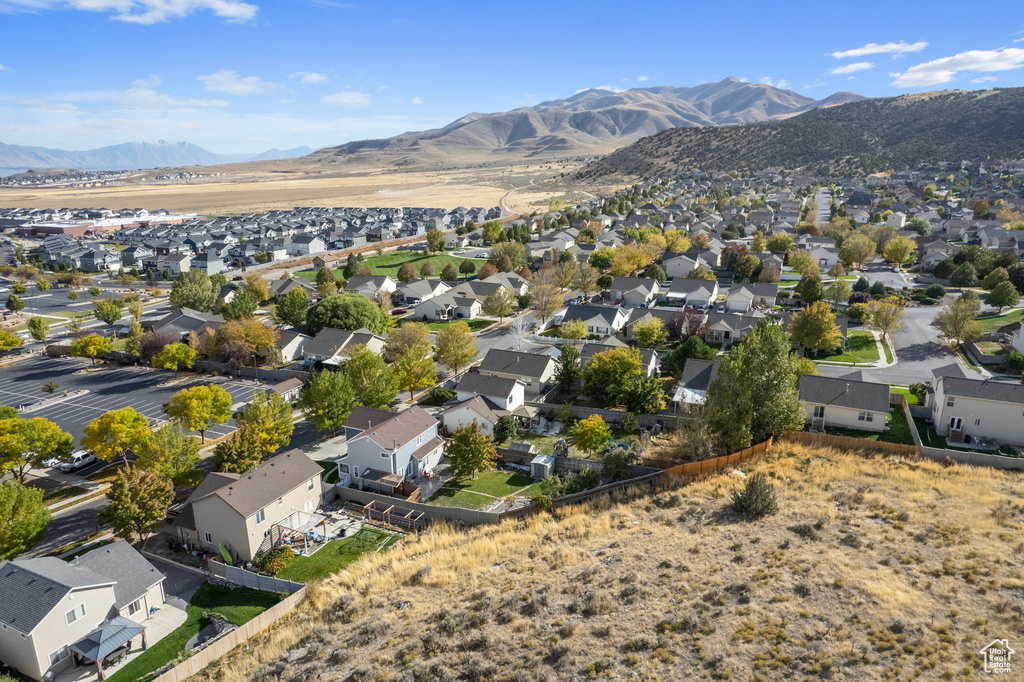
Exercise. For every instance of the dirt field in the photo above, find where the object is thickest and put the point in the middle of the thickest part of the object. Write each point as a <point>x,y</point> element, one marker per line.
<point>242,192</point>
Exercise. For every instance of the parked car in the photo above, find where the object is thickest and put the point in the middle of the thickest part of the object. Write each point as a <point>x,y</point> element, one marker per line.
<point>79,459</point>
<point>52,463</point>
<point>399,311</point>
<point>460,251</point>
<point>720,309</point>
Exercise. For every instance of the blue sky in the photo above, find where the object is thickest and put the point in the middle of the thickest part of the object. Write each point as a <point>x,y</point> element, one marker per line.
<point>240,76</point>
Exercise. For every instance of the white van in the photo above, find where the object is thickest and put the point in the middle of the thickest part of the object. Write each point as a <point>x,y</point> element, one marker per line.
<point>78,460</point>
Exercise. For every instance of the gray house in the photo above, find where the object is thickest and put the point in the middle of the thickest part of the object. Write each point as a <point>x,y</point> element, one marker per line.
<point>391,451</point>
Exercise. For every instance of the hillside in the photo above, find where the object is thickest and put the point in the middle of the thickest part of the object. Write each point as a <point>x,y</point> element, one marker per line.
<point>590,122</point>
<point>874,568</point>
<point>858,137</point>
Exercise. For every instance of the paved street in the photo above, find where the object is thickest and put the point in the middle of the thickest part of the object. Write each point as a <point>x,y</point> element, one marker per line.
<point>69,526</point>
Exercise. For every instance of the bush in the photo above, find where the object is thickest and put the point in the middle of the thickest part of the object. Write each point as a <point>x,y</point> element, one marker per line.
<point>935,291</point>
<point>1007,449</point>
<point>441,395</point>
<point>274,560</point>
<point>919,391</point>
<point>857,311</point>
<point>757,499</point>
<point>926,301</point>
<point>1016,361</point>
<point>541,501</point>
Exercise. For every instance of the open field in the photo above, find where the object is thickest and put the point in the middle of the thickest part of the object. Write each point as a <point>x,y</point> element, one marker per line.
<point>874,568</point>
<point>390,262</point>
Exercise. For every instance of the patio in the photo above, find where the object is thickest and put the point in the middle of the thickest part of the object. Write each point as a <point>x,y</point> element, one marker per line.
<point>159,625</point>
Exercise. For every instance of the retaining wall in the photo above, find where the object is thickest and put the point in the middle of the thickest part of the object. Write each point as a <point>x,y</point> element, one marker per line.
<point>974,458</point>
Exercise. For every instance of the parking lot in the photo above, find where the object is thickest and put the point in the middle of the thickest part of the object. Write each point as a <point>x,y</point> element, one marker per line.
<point>109,389</point>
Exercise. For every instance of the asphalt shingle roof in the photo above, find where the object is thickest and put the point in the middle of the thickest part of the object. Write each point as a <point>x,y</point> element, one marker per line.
<point>511,362</point>
<point>399,429</point>
<point>30,589</point>
<point>120,562</point>
<point>858,395</point>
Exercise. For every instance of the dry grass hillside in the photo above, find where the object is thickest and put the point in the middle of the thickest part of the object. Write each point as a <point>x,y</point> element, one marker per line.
<point>874,568</point>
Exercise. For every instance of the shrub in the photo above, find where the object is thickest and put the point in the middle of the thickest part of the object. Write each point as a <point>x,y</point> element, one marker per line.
<point>757,499</point>
<point>441,395</point>
<point>919,391</point>
<point>541,501</point>
<point>1016,361</point>
<point>1008,449</point>
<point>857,311</point>
<point>924,300</point>
<point>274,560</point>
<point>935,291</point>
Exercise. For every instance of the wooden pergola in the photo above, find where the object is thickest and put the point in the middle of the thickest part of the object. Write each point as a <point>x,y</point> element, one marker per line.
<point>393,515</point>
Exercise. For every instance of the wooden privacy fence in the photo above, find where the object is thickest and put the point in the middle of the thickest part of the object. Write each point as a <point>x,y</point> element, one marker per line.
<point>237,637</point>
<point>716,463</point>
<point>852,443</point>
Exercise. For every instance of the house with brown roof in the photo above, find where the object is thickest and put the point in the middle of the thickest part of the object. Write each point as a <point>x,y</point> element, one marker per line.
<point>236,511</point>
<point>389,451</point>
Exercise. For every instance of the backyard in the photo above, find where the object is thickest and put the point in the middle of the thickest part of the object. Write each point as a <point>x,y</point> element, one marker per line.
<point>389,263</point>
<point>330,470</point>
<point>335,555</point>
<point>898,432</point>
<point>545,444</point>
<point>860,348</point>
<point>1001,323</point>
<point>488,487</point>
<point>238,605</point>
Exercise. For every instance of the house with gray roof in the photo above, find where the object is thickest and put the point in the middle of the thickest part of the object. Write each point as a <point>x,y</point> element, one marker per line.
<point>601,320</point>
<point>696,293</point>
<point>48,605</point>
<point>534,370</point>
<point>963,407</point>
<point>390,451</point>
<point>844,402</point>
<point>332,346</point>
<point>697,376</point>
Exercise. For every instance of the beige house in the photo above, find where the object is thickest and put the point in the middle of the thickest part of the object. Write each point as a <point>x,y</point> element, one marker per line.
<point>844,402</point>
<point>236,511</point>
<point>47,605</point>
<point>964,408</point>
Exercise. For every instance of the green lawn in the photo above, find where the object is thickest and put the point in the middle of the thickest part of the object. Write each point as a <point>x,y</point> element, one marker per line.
<point>238,605</point>
<point>860,348</point>
<point>328,560</point>
<point>474,325</point>
<point>905,392</point>
<point>389,263</point>
<point>899,430</point>
<point>488,487</point>
<point>990,348</point>
<point>330,471</point>
<point>1002,323</point>
<point>448,497</point>
<point>545,444</point>
<point>887,347</point>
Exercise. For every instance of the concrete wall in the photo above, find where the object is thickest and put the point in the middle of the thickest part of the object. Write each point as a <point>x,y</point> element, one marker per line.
<point>974,458</point>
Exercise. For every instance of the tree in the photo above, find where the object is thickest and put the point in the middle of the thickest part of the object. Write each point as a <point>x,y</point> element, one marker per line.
<point>1002,296</point>
<point>995,277</point>
<point>770,275</point>
<point>608,374</point>
<point>345,311</point>
<point>270,416</point>
<point>861,284</point>
<point>573,330</point>
<point>650,333</point>
<point>565,274</point>
<point>373,380</point>
<point>408,335</point>
<point>499,304</point>
<point>435,241</point>
<point>693,347</point>
<point>770,378</point>
<point>194,290</point>
<point>759,243</point>
<point>701,272</point>
<point>857,250</point>
<point>645,395</point>
<point>838,292</point>
<point>257,287</point>
<point>39,328</point>
<point>114,433</point>
<point>291,308</point>
<point>567,367</point>
<point>747,266</point>
<point>43,285</point>
<point>72,295</point>
<point>964,276</point>
<point>139,500</point>
<point>450,273</point>
<point>24,518</point>
<point>172,454</point>
<point>241,306</point>
<point>327,289</point>
<point>108,310</point>
<point>602,258</point>
<point>325,275</point>
<point>590,434</point>
<point>815,328</point>
<point>515,251</point>
<point>810,288</point>
<point>199,408</point>
<point>757,499</point>
<point>21,289</point>
<point>15,304</point>
<point>454,347</point>
<point>467,267</point>
<point>901,251</point>
<point>173,356</point>
<point>327,399</point>
<point>415,368</point>
<point>27,443</point>
<point>9,340</point>
<point>74,326</point>
<point>91,346</point>
<point>780,243</point>
<point>427,269</point>
<point>546,297</point>
<point>257,338</point>
<point>799,261</point>
<point>470,451</point>
<point>654,272</point>
<point>136,310</point>
<point>886,316</point>
<point>505,428</point>
<point>586,279</point>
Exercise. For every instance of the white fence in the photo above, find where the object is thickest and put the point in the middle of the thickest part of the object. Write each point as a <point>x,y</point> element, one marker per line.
<point>243,578</point>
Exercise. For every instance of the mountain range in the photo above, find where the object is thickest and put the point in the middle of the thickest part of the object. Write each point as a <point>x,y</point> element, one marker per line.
<point>858,137</point>
<point>594,121</point>
<point>131,156</point>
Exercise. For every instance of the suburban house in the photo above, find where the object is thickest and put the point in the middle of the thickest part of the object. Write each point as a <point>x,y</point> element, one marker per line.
<point>332,346</point>
<point>362,418</point>
<point>306,244</point>
<point>291,345</point>
<point>634,291</point>
<point>48,605</point>
<point>485,399</point>
<point>727,328</point>
<point>601,320</point>
<point>536,371</point>
<point>237,511</point>
<point>387,453</point>
<point>742,297</point>
<point>284,286</point>
<point>449,306</point>
<point>844,402</point>
<point>692,388</point>
<point>419,290</point>
<point>210,263</point>
<point>648,357</point>
<point>696,293</point>
<point>184,321</point>
<point>369,285</point>
<point>963,407</point>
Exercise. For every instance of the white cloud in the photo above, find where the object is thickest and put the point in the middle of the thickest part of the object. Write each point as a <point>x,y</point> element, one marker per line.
<point>946,69</point>
<point>310,77</point>
<point>382,88</point>
<point>610,88</point>
<point>145,12</point>
<point>780,84</point>
<point>348,99</point>
<point>230,82</point>
<point>151,81</point>
<point>896,49</point>
<point>852,68</point>
<point>642,78</point>
<point>417,100</point>
<point>3,68</point>
<point>150,100</point>
<point>985,79</point>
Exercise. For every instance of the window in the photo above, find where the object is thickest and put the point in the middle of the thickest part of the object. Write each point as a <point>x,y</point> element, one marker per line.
<point>344,468</point>
<point>384,455</point>
<point>59,655</point>
<point>209,538</point>
<point>819,411</point>
<point>949,401</point>
<point>866,417</point>
<point>309,505</point>
<point>261,516</point>
<point>310,484</point>
<point>419,440</point>
<point>355,472</point>
<point>134,607</point>
<point>74,614</point>
<point>280,501</point>
<point>977,422</point>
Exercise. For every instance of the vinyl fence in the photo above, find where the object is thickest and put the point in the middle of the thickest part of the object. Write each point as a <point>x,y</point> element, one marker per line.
<point>853,443</point>
<point>243,578</point>
<point>980,459</point>
<point>235,638</point>
<point>432,512</point>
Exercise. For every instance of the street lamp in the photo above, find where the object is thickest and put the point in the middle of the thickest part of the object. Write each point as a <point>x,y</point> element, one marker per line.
<point>255,369</point>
